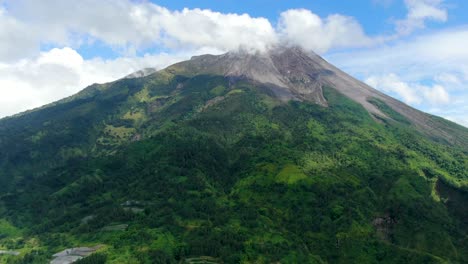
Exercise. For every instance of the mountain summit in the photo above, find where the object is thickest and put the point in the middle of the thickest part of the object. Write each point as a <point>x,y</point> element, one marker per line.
<point>292,73</point>
<point>273,157</point>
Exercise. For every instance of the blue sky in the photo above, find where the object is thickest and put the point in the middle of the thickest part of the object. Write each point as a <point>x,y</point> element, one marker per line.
<point>369,12</point>
<point>414,50</point>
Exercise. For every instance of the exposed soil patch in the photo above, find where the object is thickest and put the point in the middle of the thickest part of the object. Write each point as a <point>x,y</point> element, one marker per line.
<point>71,255</point>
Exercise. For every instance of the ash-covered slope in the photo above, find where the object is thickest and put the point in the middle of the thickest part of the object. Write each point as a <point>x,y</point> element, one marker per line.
<point>294,74</point>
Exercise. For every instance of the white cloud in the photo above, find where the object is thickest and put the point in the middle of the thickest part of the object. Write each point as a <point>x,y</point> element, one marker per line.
<point>116,22</point>
<point>392,84</point>
<point>131,26</point>
<point>424,57</point>
<point>15,38</point>
<point>449,79</point>
<point>436,94</point>
<point>410,93</point>
<point>304,28</point>
<point>205,28</point>
<point>419,11</point>
<point>135,25</point>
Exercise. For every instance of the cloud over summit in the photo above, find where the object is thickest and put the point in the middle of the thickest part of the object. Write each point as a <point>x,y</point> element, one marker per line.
<point>133,26</point>
<point>31,76</point>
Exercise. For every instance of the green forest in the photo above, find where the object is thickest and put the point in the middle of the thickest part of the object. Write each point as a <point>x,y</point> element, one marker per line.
<point>175,168</point>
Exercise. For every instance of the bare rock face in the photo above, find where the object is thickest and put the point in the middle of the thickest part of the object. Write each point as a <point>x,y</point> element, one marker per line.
<point>71,255</point>
<point>290,72</point>
<point>286,71</point>
<point>384,226</point>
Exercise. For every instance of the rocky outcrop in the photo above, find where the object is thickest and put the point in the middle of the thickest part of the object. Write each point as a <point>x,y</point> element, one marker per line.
<point>384,226</point>
<point>71,255</point>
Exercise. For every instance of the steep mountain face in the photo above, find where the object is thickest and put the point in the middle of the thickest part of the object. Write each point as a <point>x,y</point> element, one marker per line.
<point>293,74</point>
<point>252,158</point>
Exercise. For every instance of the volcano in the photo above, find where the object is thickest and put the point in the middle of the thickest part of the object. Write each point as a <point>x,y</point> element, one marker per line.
<point>245,157</point>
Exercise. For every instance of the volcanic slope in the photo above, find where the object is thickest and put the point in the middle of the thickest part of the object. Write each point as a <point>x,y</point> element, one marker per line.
<point>237,158</point>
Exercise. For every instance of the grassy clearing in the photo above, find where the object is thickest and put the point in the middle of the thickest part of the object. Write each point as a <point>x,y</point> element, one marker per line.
<point>290,174</point>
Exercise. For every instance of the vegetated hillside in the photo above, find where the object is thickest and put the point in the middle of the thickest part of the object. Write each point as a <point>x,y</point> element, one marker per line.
<point>240,163</point>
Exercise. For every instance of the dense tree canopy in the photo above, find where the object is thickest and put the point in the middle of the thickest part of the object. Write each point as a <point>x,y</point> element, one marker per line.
<point>168,168</point>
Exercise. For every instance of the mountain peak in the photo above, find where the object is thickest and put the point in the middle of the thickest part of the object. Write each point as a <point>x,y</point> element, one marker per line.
<point>289,72</point>
<point>292,73</point>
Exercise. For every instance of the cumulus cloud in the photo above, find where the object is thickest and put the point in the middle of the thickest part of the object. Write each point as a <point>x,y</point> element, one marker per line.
<point>135,25</point>
<point>411,93</point>
<point>118,22</point>
<point>201,28</point>
<point>449,79</point>
<point>392,84</point>
<point>304,28</point>
<point>437,94</point>
<point>419,11</point>
<point>439,55</point>
<point>131,26</point>
<point>15,38</point>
